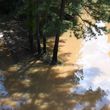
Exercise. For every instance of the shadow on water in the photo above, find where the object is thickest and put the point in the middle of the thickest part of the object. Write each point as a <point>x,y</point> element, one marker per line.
<point>40,86</point>
<point>32,85</point>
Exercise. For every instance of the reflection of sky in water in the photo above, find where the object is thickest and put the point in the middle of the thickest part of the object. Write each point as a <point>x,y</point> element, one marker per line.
<point>96,70</point>
<point>1,34</point>
<point>3,91</point>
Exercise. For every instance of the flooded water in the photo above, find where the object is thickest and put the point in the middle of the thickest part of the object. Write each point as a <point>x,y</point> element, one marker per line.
<point>32,85</point>
<point>3,91</point>
<point>5,97</point>
<point>1,34</point>
<point>94,76</point>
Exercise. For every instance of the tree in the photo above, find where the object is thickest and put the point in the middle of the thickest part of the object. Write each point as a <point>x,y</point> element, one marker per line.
<point>53,17</point>
<point>38,27</point>
<point>55,50</point>
<point>30,25</point>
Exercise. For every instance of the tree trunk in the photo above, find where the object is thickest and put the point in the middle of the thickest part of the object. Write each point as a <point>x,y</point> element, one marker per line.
<point>44,44</point>
<point>56,45</point>
<point>55,50</point>
<point>30,32</point>
<point>31,40</point>
<point>38,42</point>
<point>38,30</point>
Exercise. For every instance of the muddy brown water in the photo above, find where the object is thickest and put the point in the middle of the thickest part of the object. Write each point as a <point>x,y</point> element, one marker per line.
<point>33,85</point>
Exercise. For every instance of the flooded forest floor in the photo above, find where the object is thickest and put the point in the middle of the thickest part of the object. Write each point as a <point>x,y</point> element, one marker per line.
<point>29,79</point>
<point>39,85</point>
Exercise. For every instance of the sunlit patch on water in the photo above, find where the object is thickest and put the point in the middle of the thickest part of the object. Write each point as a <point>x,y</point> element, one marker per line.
<point>95,73</point>
<point>1,34</point>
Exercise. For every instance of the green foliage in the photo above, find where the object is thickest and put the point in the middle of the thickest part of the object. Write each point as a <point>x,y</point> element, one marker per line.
<point>49,13</point>
<point>9,6</point>
<point>99,9</point>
